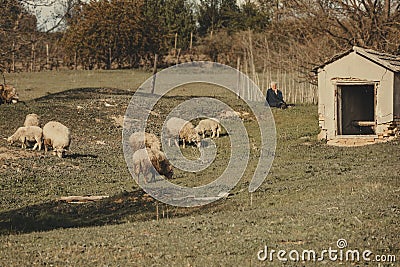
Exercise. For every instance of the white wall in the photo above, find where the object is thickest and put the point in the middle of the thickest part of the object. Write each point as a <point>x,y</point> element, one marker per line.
<point>358,67</point>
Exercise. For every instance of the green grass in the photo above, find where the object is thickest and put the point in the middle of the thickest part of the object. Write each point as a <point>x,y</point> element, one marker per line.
<point>37,84</point>
<point>313,195</point>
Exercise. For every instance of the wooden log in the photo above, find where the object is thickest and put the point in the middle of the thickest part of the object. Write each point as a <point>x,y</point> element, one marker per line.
<point>363,123</point>
<point>82,199</point>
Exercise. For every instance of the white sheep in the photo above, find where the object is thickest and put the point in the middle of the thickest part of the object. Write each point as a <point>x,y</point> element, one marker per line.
<point>209,125</point>
<point>138,141</point>
<point>32,120</point>
<point>152,161</point>
<point>57,136</point>
<point>181,129</point>
<point>28,134</point>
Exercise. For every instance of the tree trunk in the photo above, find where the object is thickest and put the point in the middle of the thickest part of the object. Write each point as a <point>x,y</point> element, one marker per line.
<point>13,57</point>
<point>387,10</point>
<point>33,57</point>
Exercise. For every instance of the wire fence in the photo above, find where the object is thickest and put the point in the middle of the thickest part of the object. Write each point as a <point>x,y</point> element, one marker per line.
<point>294,90</point>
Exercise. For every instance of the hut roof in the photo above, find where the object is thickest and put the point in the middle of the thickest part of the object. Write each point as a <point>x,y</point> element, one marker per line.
<point>388,61</point>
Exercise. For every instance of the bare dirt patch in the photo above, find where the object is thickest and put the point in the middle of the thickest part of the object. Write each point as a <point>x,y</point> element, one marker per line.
<point>12,153</point>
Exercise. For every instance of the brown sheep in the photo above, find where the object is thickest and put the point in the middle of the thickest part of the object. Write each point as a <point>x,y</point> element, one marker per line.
<point>182,129</point>
<point>209,125</point>
<point>150,140</point>
<point>148,161</point>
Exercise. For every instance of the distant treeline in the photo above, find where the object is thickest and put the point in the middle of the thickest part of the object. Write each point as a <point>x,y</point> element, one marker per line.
<point>257,35</point>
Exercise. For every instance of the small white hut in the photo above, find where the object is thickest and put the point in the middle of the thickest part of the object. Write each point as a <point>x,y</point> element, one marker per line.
<point>359,96</point>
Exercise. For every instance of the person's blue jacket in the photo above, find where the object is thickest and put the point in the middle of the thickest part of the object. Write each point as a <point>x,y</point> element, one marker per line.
<point>275,99</point>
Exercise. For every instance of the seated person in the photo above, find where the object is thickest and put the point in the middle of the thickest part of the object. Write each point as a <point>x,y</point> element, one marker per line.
<point>275,97</point>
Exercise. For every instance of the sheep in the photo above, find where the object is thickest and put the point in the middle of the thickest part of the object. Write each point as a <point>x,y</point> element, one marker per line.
<point>28,134</point>
<point>206,125</point>
<point>8,94</point>
<point>57,136</point>
<point>146,161</point>
<point>181,129</point>
<point>138,141</point>
<point>32,120</point>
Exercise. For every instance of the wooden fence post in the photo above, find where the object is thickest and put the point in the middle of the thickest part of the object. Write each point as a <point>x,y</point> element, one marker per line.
<point>13,57</point>
<point>153,83</point>
<point>191,41</point>
<point>33,57</point>
<point>47,55</point>
<point>238,78</point>
<point>76,60</point>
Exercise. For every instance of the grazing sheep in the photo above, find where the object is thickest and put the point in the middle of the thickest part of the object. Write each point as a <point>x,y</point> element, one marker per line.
<point>8,94</point>
<point>148,161</point>
<point>209,125</point>
<point>181,129</point>
<point>57,136</point>
<point>137,141</point>
<point>32,120</point>
<point>27,134</point>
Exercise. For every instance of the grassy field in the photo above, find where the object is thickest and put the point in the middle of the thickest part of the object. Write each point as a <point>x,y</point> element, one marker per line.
<point>314,194</point>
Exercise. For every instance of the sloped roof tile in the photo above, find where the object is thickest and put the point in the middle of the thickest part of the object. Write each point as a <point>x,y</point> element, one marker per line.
<point>388,61</point>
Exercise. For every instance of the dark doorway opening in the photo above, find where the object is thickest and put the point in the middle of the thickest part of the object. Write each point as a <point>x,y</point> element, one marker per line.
<point>356,109</point>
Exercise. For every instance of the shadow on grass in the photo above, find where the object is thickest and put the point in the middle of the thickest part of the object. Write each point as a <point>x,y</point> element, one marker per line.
<point>77,156</point>
<point>84,93</point>
<point>127,206</point>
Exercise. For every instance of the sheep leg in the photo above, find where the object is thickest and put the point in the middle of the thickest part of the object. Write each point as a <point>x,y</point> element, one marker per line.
<point>136,172</point>
<point>144,171</point>
<point>218,132</point>
<point>176,142</point>
<point>38,143</point>
<point>145,180</point>
<point>183,142</point>
<point>35,146</point>
<point>213,133</point>
<point>23,143</point>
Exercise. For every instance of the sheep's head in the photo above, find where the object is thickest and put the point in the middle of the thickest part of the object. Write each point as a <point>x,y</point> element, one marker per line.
<point>60,152</point>
<point>194,137</point>
<point>10,140</point>
<point>167,169</point>
<point>197,129</point>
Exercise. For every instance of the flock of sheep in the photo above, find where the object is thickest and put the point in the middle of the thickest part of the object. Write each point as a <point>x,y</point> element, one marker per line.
<point>146,147</point>
<point>147,155</point>
<point>54,134</point>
